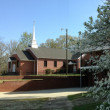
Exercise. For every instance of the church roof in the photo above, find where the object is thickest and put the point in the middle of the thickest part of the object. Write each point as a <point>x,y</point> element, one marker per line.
<point>47,53</point>
<point>12,58</point>
<point>24,55</point>
<point>50,53</point>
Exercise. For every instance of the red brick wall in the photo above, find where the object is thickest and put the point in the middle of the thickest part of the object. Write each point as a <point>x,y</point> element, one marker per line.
<point>46,83</point>
<point>88,56</point>
<point>84,58</point>
<point>50,65</point>
<point>26,67</point>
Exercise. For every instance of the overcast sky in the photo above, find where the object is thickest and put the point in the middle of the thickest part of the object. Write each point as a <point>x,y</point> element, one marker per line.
<point>17,16</point>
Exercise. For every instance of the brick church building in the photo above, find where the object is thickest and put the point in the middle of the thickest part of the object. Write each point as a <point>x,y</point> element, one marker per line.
<point>35,60</point>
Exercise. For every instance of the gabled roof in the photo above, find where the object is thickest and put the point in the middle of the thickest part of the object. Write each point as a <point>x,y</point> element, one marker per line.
<point>50,53</point>
<point>24,55</point>
<point>12,58</point>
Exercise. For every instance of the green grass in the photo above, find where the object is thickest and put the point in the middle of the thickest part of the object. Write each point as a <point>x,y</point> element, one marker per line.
<point>33,99</point>
<point>91,106</point>
<point>84,105</point>
<point>27,104</point>
<point>1,81</point>
<point>69,74</point>
<point>77,96</point>
<point>56,74</point>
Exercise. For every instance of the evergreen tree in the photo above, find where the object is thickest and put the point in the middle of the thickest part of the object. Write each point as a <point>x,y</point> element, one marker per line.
<point>97,34</point>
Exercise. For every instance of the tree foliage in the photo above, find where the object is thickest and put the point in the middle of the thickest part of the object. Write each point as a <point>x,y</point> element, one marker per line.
<point>97,34</point>
<point>25,40</point>
<point>61,42</point>
<point>7,49</point>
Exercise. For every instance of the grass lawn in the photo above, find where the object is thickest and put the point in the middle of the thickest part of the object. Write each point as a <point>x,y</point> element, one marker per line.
<point>57,74</point>
<point>69,74</point>
<point>23,104</point>
<point>90,106</point>
<point>81,102</point>
<point>2,80</point>
<point>76,96</point>
<point>36,104</point>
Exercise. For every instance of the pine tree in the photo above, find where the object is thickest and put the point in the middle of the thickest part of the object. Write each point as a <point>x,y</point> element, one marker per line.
<point>97,34</point>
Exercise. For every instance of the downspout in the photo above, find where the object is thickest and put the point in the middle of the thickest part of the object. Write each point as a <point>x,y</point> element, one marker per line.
<point>37,66</point>
<point>80,72</point>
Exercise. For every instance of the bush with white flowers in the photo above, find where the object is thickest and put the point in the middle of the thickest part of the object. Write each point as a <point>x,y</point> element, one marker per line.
<point>97,35</point>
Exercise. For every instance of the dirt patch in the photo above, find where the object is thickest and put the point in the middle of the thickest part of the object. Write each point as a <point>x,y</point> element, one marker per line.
<point>22,104</point>
<point>37,104</point>
<point>57,104</point>
<point>61,103</point>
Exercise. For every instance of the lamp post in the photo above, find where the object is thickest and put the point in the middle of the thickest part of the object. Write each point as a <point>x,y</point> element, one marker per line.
<point>66,49</point>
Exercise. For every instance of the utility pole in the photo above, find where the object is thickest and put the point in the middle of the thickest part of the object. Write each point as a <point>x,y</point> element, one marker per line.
<point>66,51</point>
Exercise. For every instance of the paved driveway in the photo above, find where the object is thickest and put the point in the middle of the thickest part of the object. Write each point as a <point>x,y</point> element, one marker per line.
<point>41,93</point>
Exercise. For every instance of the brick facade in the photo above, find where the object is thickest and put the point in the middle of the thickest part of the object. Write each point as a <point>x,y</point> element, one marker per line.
<point>50,65</point>
<point>26,67</point>
<point>36,66</point>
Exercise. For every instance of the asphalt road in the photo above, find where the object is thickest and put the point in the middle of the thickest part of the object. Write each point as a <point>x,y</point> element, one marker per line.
<point>52,93</point>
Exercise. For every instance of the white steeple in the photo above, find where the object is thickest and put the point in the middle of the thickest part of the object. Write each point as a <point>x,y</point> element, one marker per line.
<point>34,44</point>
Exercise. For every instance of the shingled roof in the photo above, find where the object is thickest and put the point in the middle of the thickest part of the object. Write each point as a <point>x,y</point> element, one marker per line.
<point>24,55</point>
<point>50,53</point>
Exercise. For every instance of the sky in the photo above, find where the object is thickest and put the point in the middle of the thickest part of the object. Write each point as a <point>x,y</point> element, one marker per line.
<point>17,16</point>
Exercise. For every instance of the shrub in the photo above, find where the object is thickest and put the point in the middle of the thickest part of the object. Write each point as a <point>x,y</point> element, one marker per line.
<point>49,71</point>
<point>62,70</point>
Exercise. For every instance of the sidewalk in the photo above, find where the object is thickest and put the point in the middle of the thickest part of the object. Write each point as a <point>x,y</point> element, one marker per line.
<point>52,93</point>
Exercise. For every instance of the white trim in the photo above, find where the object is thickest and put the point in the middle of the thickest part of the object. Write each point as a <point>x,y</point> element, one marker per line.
<point>13,68</point>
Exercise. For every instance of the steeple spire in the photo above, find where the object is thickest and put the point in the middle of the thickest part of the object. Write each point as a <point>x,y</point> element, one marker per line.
<point>34,44</point>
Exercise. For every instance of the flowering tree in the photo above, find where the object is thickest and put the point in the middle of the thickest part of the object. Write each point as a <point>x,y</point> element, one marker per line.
<point>97,34</point>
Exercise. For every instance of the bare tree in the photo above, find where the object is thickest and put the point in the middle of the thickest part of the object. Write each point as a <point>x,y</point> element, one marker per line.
<point>12,46</point>
<point>3,56</point>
